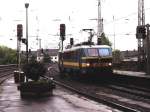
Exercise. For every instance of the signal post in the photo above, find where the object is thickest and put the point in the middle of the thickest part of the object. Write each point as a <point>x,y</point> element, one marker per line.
<point>19,38</point>
<point>143,32</point>
<point>148,50</point>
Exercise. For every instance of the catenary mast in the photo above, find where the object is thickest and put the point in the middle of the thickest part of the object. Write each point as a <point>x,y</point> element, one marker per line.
<point>100,21</point>
<point>141,42</point>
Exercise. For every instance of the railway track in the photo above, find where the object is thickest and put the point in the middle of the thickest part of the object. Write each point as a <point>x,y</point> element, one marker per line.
<point>96,98</point>
<point>6,71</point>
<point>141,92</point>
<point>125,98</point>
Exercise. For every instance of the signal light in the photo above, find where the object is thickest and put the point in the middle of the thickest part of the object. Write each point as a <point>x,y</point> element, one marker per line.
<point>24,40</point>
<point>141,32</point>
<point>19,31</point>
<point>99,41</point>
<point>62,31</point>
<point>29,50</point>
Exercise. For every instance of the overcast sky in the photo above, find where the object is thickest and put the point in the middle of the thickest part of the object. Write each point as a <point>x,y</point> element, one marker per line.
<point>46,15</point>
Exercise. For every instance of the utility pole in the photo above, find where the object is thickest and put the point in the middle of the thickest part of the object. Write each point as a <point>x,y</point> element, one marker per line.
<point>100,21</point>
<point>27,55</point>
<point>141,42</point>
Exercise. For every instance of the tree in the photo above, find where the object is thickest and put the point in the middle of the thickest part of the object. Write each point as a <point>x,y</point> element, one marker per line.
<point>117,57</point>
<point>105,40</point>
<point>7,55</point>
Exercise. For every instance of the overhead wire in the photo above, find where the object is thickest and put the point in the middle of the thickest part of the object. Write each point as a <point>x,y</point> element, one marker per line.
<point>129,15</point>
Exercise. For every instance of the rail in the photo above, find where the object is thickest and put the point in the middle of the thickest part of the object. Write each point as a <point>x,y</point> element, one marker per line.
<point>97,99</point>
<point>6,71</point>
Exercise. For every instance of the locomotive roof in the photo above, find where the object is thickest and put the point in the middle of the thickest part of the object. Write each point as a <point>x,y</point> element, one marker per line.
<point>73,48</point>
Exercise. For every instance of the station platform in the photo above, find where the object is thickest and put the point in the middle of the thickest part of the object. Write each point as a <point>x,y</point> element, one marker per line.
<point>132,73</point>
<point>61,101</point>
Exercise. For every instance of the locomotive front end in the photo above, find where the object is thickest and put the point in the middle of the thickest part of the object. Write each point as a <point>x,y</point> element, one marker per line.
<point>97,60</point>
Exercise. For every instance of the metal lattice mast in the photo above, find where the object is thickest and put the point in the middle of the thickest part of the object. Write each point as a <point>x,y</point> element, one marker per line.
<point>100,21</point>
<point>141,13</point>
<point>141,21</point>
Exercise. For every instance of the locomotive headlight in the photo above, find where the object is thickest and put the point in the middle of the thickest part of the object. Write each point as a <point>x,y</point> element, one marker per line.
<point>109,64</point>
<point>88,64</point>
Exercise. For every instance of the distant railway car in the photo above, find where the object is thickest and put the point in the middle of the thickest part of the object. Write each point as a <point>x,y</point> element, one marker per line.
<point>86,59</point>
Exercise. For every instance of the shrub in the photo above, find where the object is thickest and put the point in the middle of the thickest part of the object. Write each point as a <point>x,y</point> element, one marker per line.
<point>33,70</point>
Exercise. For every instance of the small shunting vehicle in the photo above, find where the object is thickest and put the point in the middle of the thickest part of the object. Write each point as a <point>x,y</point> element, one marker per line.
<point>86,59</point>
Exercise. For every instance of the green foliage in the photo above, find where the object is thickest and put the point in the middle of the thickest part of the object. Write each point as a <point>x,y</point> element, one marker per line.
<point>33,70</point>
<point>105,40</point>
<point>116,51</point>
<point>7,55</point>
<point>117,56</point>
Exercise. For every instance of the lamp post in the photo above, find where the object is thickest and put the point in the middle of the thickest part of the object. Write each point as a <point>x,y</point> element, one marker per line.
<point>26,6</point>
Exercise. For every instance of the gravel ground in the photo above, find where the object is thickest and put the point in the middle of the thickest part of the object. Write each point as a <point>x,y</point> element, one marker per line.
<point>101,90</point>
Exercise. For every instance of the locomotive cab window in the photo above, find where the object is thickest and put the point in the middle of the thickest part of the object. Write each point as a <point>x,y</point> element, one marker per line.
<point>104,52</point>
<point>92,52</point>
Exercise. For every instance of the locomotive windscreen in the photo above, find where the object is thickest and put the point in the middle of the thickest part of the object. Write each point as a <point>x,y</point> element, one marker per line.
<point>92,52</point>
<point>104,52</point>
<point>98,52</point>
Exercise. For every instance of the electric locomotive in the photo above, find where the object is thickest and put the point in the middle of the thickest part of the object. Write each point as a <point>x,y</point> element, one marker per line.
<point>86,59</point>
